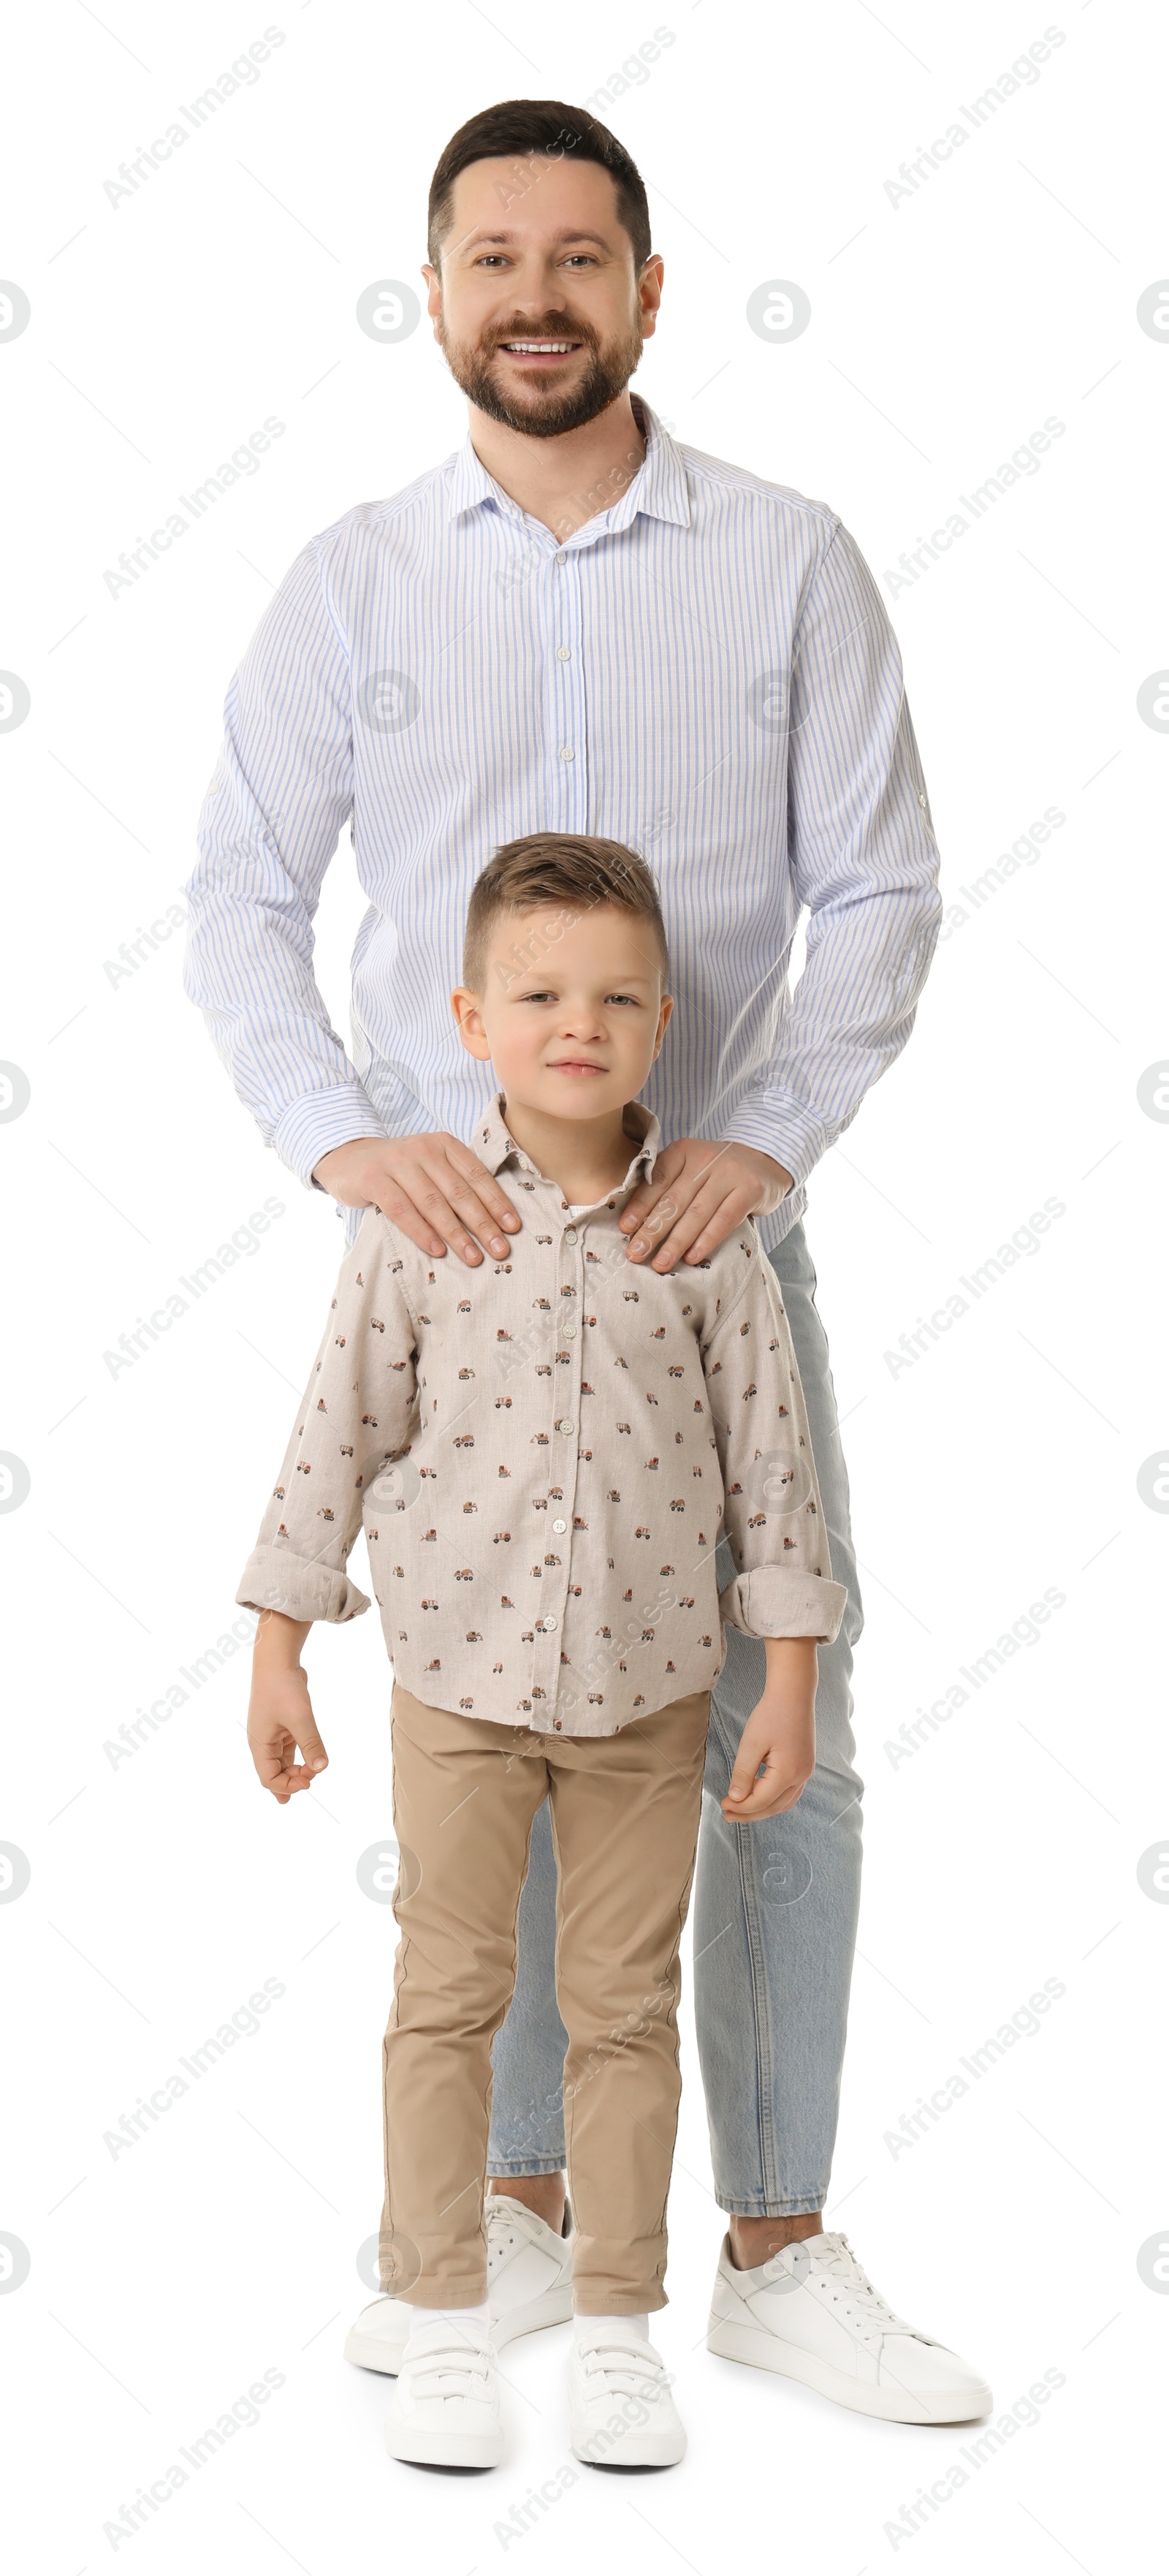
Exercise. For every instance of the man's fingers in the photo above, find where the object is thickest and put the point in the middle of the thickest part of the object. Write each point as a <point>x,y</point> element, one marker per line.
<point>714,1223</point>
<point>430,1220</point>
<point>645,1197</point>
<point>440,1196</point>
<point>495,1200</point>
<point>694,1230</point>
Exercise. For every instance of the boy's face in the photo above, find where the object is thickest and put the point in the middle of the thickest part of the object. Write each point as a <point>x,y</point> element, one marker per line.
<point>572,1013</point>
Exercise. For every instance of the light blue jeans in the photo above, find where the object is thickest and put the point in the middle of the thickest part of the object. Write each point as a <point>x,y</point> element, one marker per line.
<point>775,1903</point>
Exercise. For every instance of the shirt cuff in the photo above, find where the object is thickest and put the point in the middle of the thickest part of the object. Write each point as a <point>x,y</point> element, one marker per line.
<point>778,1124</point>
<point>773,1601</point>
<point>313,1126</point>
<point>275,1578</point>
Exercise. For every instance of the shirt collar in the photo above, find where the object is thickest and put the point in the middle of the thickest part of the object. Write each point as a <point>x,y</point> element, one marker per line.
<point>495,1146</point>
<point>659,489</point>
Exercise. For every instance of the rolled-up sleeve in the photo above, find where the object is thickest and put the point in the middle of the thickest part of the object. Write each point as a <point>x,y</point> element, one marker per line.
<point>863,859</point>
<point>773,1518</point>
<point>279,796</point>
<point>358,1411</point>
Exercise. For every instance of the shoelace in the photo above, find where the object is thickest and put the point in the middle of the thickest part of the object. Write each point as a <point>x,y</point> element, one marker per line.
<point>853,2289</point>
<point>500,2244</point>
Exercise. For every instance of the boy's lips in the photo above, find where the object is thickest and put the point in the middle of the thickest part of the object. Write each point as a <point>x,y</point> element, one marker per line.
<point>575,1064</point>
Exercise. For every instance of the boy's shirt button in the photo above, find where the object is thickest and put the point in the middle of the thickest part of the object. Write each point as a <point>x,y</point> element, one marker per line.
<point>570,1234</point>
<point>565,1425</point>
<point>559,1525</point>
<point>548,1624</point>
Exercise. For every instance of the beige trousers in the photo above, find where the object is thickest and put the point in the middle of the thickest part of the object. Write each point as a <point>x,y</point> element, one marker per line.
<point>625,1812</point>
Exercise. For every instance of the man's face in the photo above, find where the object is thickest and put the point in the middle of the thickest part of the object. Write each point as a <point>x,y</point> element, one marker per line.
<point>535,255</point>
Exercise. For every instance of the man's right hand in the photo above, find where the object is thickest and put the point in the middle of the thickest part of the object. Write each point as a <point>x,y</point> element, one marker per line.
<point>432,1186</point>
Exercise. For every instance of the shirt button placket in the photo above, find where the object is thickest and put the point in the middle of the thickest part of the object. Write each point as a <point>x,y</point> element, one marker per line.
<point>569,762</point>
<point>566,1433</point>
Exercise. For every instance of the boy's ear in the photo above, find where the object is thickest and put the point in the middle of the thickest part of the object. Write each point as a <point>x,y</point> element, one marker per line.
<point>468,1012</point>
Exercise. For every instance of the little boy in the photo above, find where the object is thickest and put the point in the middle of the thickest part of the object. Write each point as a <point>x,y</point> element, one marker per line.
<point>542,1451</point>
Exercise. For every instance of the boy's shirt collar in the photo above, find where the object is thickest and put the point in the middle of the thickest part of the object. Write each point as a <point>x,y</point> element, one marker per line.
<point>495,1146</point>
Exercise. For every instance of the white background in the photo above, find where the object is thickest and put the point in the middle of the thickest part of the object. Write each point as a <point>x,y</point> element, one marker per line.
<point>1002,1852</point>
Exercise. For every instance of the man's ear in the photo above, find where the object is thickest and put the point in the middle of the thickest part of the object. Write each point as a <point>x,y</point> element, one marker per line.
<point>468,1012</point>
<point>433,290</point>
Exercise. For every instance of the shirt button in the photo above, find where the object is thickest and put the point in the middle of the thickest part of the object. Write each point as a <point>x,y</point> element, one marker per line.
<point>567,752</point>
<point>559,559</point>
<point>549,1624</point>
<point>564,652</point>
<point>565,1425</point>
<point>570,1234</point>
<point>558,1526</point>
<point>569,1332</point>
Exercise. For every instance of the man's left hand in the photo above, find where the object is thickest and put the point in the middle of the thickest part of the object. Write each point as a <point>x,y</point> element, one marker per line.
<point>699,1193</point>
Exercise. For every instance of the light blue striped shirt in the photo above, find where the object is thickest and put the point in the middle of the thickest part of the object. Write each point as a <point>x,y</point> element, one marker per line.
<point>705,671</point>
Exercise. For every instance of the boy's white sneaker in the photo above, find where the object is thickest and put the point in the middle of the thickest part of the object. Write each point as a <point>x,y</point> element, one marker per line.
<point>529,2285</point>
<point>812,2313</point>
<point>623,2416</point>
<point>445,2408</point>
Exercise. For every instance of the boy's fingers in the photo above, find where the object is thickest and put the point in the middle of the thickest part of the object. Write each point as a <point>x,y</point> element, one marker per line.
<point>315,1756</point>
<point>743,1776</point>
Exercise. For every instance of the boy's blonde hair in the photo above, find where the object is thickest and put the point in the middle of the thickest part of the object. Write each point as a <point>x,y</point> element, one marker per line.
<point>568,870</point>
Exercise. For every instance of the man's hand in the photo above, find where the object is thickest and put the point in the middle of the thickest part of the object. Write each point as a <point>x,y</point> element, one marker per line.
<point>433,1186</point>
<point>280,1714</point>
<point>699,1193</point>
<point>777,1748</point>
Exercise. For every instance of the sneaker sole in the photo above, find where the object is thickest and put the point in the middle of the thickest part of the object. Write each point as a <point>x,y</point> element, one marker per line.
<point>552,2308</point>
<point>662,2455</point>
<point>444,2450</point>
<point>763,2351</point>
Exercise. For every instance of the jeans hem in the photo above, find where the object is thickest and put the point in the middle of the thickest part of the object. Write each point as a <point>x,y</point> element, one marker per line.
<point>516,2169</point>
<point>757,2208</point>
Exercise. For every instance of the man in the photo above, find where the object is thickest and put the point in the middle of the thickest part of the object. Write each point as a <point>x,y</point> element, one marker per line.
<point>576,625</point>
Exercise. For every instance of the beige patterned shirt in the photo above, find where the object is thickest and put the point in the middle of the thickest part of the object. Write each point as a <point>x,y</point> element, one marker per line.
<point>542,1451</point>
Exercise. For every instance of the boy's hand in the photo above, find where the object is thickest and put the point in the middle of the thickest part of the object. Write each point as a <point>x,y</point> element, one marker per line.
<point>778,1742</point>
<point>280,1714</point>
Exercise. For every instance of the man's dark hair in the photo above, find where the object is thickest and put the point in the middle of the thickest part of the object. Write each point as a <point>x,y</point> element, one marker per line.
<point>568,871</point>
<point>517,129</point>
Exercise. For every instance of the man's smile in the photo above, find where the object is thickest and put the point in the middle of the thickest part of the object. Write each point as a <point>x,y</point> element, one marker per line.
<point>539,352</point>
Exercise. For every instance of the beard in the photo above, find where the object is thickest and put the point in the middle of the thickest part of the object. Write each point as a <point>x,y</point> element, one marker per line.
<point>545,413</point>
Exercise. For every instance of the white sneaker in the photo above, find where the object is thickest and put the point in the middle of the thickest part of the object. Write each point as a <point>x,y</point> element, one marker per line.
<point>812,2313</point>
<point>445,2408</point>
<point>623,2416</point>
<point>529,2284</point>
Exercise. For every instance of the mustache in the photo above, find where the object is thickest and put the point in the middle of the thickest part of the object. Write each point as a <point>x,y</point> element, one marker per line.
<point>559,327</point>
